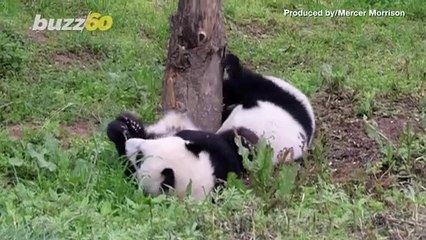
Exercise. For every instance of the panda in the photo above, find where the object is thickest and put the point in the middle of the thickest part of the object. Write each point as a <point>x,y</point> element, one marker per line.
<point>268,106</point>
<point>174,161</point>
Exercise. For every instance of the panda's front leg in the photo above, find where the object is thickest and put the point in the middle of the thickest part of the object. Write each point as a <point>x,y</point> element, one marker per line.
<point>125,126</point>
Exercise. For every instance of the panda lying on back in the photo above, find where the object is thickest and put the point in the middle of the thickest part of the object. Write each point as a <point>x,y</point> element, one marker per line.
<point>176,160</point>
<point>254,105</point>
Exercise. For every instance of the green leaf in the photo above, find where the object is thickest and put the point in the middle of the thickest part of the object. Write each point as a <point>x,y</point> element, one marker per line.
<point>189,188</point>
<point>234,181</point>
<point>287,179</point>
<point>264,159</point>
<point>81,168</point>
<point>16,161</point>
<point>372,131</point>
<point>105,208</point>
<point>244,153</point>
<point>39,156</point>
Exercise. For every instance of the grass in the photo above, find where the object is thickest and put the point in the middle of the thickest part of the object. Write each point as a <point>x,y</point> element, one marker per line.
<point>59,176</point>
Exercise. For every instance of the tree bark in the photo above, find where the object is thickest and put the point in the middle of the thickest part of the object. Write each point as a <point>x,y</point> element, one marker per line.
<point>193,77</point>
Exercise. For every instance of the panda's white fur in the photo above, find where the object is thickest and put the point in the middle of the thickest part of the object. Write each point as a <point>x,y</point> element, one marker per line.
<point>299,95</point>
<point>170,124</point>
<point>171,152</point>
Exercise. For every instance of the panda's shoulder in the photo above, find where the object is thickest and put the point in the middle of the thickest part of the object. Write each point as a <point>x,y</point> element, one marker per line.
<point>212,143</point>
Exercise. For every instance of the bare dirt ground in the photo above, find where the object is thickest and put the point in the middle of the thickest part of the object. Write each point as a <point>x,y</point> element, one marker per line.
<point>81,58</point>
<point>351,152</point>
<point>38,36</point>
<point>81,128</point>
<point>350,149</point>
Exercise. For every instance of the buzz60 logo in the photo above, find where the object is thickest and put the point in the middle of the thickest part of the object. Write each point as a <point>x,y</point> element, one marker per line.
<point>93,21</point>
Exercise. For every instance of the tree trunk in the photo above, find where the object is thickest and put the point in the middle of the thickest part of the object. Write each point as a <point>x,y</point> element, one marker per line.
<point>193,78</point>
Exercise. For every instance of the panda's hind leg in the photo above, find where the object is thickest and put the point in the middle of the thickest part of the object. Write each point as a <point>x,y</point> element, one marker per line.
<point>169,124</point>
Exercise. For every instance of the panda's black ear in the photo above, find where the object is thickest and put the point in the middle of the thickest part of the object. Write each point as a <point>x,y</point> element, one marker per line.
<point>232,65</point>
<point>231,60</point>
<point>193,147</point>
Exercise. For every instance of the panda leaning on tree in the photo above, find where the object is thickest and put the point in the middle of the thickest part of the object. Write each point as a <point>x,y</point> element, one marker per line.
<point>173,152</point>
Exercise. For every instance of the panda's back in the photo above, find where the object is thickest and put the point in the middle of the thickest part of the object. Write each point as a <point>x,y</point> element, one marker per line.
<point>271,122</point>
<point>299,95</point>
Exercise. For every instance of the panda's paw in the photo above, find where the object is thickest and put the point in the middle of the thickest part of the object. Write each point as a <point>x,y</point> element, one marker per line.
<point>171,123</point>
<point>250,139</point>
<point>134,125</point>
<point>117,132</point>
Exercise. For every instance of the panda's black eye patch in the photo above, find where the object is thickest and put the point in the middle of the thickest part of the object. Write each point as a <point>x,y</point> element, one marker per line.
<point>139,157</point>
<point>169,179</point>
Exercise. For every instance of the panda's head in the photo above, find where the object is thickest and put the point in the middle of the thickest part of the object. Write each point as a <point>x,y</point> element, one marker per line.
<point>231,67</point>
<point>171,162</point>
<point>233,86</point>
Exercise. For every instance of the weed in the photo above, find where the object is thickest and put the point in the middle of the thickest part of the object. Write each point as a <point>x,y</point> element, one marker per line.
<point>12,51</point>
<point>365,105</point>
